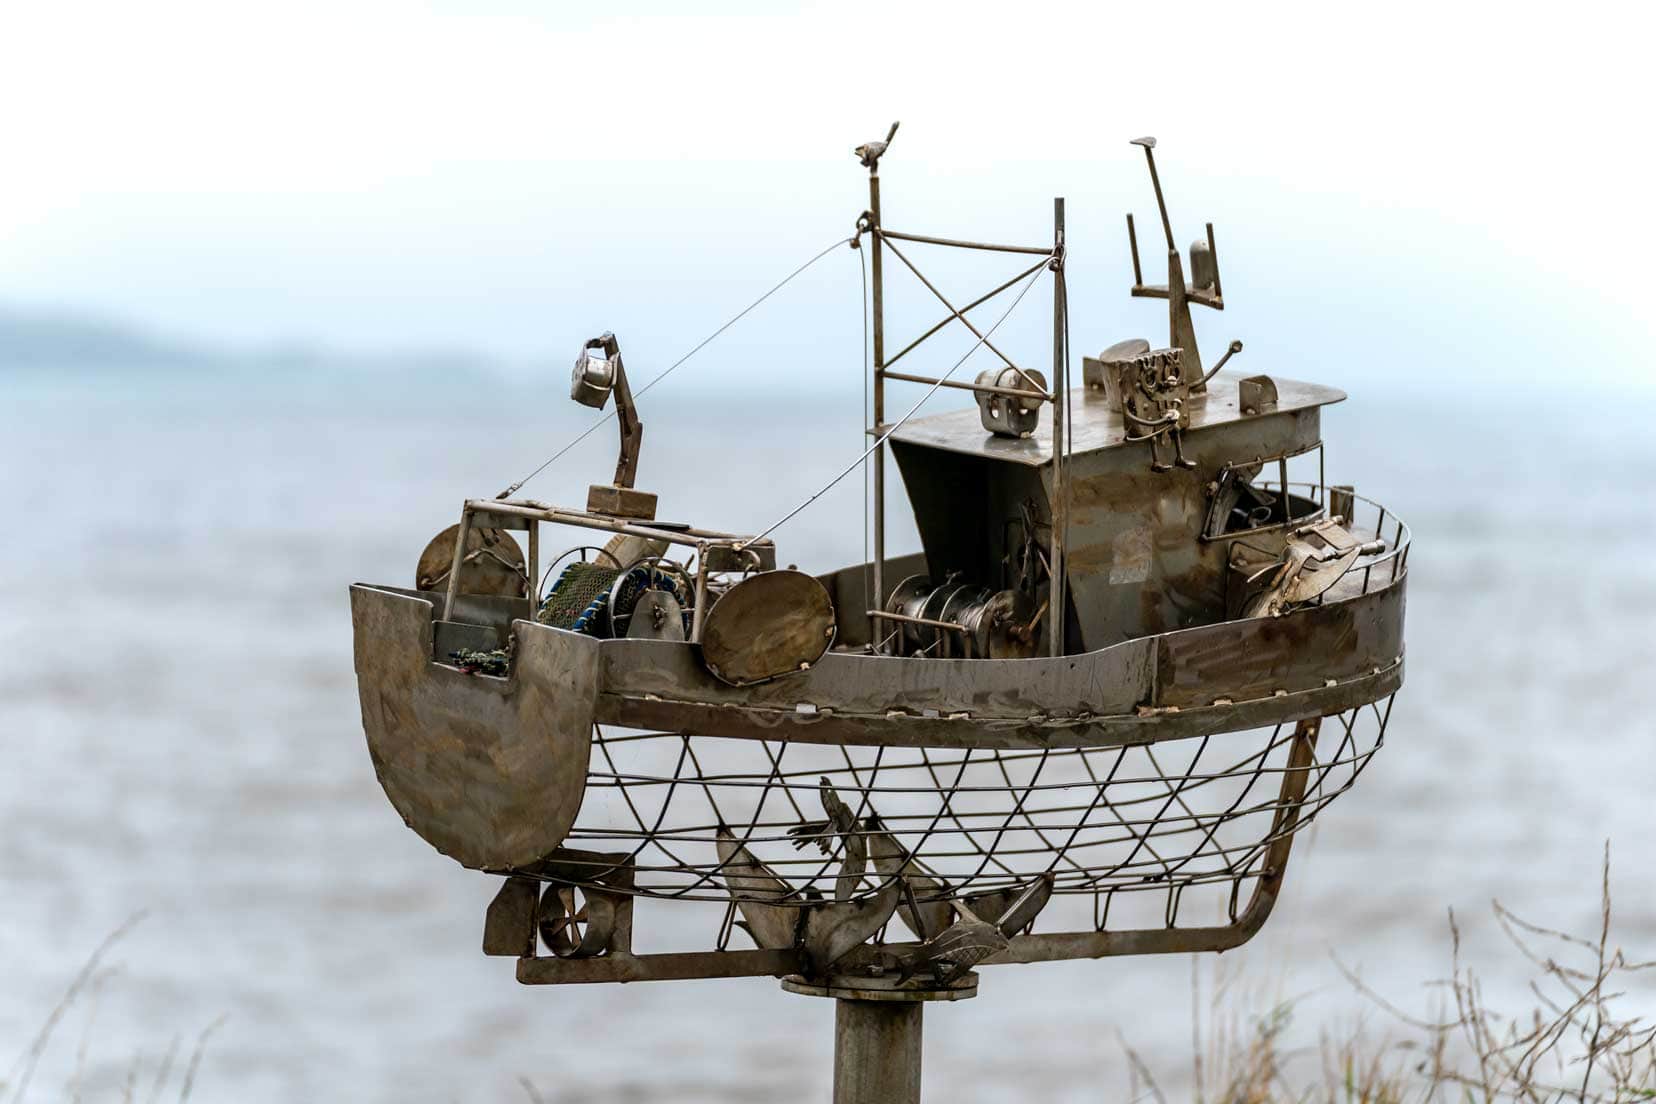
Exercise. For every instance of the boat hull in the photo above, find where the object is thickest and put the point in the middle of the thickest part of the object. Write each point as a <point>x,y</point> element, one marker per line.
<point>488,771</point>
<point>491,771</point>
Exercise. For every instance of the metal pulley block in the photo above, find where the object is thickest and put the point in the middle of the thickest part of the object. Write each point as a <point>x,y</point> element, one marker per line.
<point>1010,415</point>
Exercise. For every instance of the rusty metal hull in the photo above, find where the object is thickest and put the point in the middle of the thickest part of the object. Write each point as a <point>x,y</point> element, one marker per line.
<point>491,771</point>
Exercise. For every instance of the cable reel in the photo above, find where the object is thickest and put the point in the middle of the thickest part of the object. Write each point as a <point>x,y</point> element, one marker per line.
<point>963,620</point>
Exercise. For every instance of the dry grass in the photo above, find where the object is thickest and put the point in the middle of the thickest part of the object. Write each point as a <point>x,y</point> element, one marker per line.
<point>91,978</point>
<point>1574,1043</point>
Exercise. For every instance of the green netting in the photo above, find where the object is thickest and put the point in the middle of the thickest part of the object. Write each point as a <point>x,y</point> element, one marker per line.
<point>578,588</point>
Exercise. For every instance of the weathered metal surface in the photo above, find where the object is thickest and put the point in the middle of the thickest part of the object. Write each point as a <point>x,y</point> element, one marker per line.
<point>489,771</point>
<point>875,961</point>
<point>1316,558</point>
<point>1154,400</point>
<point>1138,558</point>
<point>621,502</point>
<point>1257,395</point>
<point>924,908</point>
<point>659,967</point>
<point>1257,658</point>
<point>757,556</point>
<point>1095,426</point>
<point>594,378</point>
<point>1103,372</point>
<point>851,592</point>
<point>493,563</point>
<point>877,1052</point>
<point>885,987</point>
<point>1216,678</point>
<point>1001,408</point>
<point>833,929</point>
<point>1058,634</point>
<point>578,922</point>
<point>755,887</point>
<point>1135,563</point>
<point>1204,286</point>
<point>587,907</point>
<point>1258,672</point>
<point>1013,910</point>
<point>509,922</point>
<point>960,620</point>
<point>656,616</point>
<point>455,636</point>
<point>768,625</point>
<point>1149,607</point>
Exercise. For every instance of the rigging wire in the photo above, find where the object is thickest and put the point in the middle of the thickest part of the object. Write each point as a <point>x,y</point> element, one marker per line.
<point>591,429</point>
<point>898,424</point>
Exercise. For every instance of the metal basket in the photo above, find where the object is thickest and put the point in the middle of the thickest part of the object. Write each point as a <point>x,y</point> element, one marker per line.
<point>1150,848</point>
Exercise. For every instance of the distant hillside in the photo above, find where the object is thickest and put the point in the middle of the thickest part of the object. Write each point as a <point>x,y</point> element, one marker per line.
<point>32,340</point>
<point>41,339</point>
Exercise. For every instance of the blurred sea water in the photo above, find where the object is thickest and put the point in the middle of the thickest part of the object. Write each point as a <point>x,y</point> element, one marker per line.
<point>180,734</point>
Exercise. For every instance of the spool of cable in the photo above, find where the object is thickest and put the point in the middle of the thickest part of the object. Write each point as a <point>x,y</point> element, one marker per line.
<point>962,620</point>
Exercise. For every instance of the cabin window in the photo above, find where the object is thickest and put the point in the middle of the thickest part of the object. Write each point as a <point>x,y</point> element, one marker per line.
<point>1268,493</point>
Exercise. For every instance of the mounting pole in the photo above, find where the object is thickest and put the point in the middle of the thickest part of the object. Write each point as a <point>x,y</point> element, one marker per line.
<point>877,1051</point>
<point>877,1028</point>
<point>1060,407</point>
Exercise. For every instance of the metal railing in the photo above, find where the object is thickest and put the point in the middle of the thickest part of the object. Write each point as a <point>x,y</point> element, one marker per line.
<point>1387,528</point>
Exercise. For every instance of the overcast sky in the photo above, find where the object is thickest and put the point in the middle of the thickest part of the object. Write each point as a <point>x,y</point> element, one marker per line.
<point>1409,188</point>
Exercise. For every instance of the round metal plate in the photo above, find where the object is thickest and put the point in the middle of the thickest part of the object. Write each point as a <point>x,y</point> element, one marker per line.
<point>656,616</point>
<point>766,626</point>
<point>494,563</point>
<point>885,988</point>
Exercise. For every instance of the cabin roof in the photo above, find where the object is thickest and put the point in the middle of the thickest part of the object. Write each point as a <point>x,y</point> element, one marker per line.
<point>1093,425</point>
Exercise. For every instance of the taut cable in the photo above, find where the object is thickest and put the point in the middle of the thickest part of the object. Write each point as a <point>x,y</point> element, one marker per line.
<point>593,428</point>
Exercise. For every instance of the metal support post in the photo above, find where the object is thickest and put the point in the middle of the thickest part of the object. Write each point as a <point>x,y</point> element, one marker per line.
<point>878,295</point>
<point>877,1051</point>
<point>1060,408</point>
<point>458,562</point>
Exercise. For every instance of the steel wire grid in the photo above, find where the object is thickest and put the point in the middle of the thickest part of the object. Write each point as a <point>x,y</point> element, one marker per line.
<point>1126,834</point>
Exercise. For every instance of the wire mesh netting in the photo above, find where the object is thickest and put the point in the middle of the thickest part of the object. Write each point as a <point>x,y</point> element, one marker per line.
<point>1169,834</point>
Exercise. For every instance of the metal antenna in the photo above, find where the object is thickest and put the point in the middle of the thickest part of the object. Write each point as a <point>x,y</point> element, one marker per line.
<point>1149,145</point>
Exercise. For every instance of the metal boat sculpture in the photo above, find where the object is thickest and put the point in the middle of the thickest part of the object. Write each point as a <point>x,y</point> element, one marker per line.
<point>1143,643</point>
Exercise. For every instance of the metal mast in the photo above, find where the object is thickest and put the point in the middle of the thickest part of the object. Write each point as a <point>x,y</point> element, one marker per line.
<point>1060,407</point>
<point>870,155</point>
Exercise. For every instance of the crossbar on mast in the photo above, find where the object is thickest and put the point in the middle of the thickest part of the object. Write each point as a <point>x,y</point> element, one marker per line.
<point>975,303</point>
<point>957,313</point>
<point>1032,250</point>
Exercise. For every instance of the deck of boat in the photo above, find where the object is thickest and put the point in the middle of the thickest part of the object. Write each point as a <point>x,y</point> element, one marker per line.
<point>1093,425</point>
